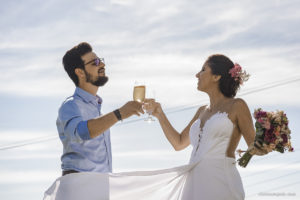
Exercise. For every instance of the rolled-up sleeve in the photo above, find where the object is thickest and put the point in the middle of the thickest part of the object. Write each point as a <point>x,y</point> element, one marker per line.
<point>72,124</point>
<point>83,131</point>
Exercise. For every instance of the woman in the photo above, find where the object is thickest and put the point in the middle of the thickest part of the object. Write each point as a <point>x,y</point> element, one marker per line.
<point>214,133</point>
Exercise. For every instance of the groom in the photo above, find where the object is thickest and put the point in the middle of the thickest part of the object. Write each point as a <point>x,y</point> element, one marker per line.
<point>83,130</point>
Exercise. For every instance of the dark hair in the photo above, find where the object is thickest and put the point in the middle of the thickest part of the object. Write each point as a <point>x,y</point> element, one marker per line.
<point>220,65</point>
<point>72,60</point>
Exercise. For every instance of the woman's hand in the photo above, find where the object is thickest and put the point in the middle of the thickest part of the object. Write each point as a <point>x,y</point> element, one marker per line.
<point>259,149</point>
<point>152,107</point>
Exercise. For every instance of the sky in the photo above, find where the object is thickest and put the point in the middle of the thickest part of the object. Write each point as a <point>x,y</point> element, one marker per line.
<point>162,43</point>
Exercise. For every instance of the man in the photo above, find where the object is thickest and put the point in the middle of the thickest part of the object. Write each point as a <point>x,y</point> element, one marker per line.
<point>83,130</point>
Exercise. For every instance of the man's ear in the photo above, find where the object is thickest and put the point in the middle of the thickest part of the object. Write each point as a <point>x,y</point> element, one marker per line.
<point>79,72</point>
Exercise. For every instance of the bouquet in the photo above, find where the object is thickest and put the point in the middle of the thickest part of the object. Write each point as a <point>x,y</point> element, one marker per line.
<point>272,133</point>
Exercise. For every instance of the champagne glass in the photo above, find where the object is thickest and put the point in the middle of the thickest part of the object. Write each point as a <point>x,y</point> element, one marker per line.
<point>139,92</point>
<point>150,95</point>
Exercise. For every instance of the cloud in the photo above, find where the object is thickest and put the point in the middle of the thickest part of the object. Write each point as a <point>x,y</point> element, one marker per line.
<point>151,40</point>
<point>123,2</point>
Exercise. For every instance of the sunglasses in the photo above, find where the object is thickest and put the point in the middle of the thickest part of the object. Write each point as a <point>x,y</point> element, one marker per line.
<point>96,61</point>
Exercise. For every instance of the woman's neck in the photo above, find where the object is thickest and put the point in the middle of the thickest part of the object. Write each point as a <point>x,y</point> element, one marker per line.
<point>216,100</point>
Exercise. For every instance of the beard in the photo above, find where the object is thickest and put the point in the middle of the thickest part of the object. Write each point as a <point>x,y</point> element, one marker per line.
<point>100,81</point>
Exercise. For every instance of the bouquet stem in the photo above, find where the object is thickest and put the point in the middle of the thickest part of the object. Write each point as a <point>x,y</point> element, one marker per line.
<point>244,160</point>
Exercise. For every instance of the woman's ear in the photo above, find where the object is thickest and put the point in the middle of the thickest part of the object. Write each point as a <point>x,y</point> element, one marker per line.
<point>217,77</point>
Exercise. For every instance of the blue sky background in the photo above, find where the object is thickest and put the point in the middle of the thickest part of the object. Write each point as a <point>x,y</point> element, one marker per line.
<point>161,42</point>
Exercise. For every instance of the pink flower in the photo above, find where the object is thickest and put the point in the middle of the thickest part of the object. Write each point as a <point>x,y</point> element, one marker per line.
<point>238,74</point>
<point>260,114</point>
<point>284,138</point>
<point>235,71</point>
<point>261,121</point>
<point>267,125</point>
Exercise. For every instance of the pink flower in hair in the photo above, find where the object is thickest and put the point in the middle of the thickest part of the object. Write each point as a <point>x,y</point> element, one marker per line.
<point>237,73</point>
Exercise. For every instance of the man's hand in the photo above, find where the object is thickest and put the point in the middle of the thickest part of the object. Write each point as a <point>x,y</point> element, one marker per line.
<point>131,108</point>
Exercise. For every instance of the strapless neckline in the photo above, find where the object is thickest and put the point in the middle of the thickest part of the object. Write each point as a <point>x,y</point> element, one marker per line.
<point>219,113</point>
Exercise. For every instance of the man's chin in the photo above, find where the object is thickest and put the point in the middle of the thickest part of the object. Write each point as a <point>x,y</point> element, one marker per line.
<point>101,81</point>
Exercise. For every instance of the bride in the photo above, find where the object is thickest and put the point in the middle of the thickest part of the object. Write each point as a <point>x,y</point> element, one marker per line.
<point>214,133</point>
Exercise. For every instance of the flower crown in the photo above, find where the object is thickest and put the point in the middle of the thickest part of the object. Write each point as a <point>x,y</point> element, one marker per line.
<point>238,74</point>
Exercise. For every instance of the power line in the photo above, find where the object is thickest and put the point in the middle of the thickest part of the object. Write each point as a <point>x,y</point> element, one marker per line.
<point>168,111</point>
<point>270,86</point>
<point>250,91</point>
<point>273,168</point>
<point>272,179</point>
<point>284,186</point>
<point>25,143</point>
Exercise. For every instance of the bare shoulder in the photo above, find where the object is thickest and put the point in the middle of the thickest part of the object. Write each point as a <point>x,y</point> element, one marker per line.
<point>200,110</point>
<point>198,113</point>
<point>239,101</point>
<point>240,105</point>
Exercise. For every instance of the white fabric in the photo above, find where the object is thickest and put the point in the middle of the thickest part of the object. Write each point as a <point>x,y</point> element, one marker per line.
<point>210,175</point>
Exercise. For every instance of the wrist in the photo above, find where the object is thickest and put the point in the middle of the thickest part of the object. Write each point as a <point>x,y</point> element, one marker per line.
<point>118,115</point>
<point>159,114</point>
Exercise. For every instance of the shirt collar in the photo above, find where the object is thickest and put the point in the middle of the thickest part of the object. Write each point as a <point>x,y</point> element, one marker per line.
<point>88,97</point>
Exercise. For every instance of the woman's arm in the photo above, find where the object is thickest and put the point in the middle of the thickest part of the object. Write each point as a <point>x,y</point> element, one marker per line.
<point>245,125</point>
<point>179,141</point>
<point>244,120</point>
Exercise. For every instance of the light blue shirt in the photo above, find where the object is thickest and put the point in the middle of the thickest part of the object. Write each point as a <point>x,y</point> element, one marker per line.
<point>80,151</point>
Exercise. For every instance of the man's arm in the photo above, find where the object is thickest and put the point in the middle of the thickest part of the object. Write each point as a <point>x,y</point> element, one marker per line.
<point>101,124</point>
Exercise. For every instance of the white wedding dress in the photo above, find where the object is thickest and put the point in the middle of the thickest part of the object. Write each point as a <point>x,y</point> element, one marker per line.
<point>210,175</point>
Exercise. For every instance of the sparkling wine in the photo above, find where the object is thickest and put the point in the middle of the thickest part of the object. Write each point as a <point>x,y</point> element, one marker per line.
<point>139,93</point>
